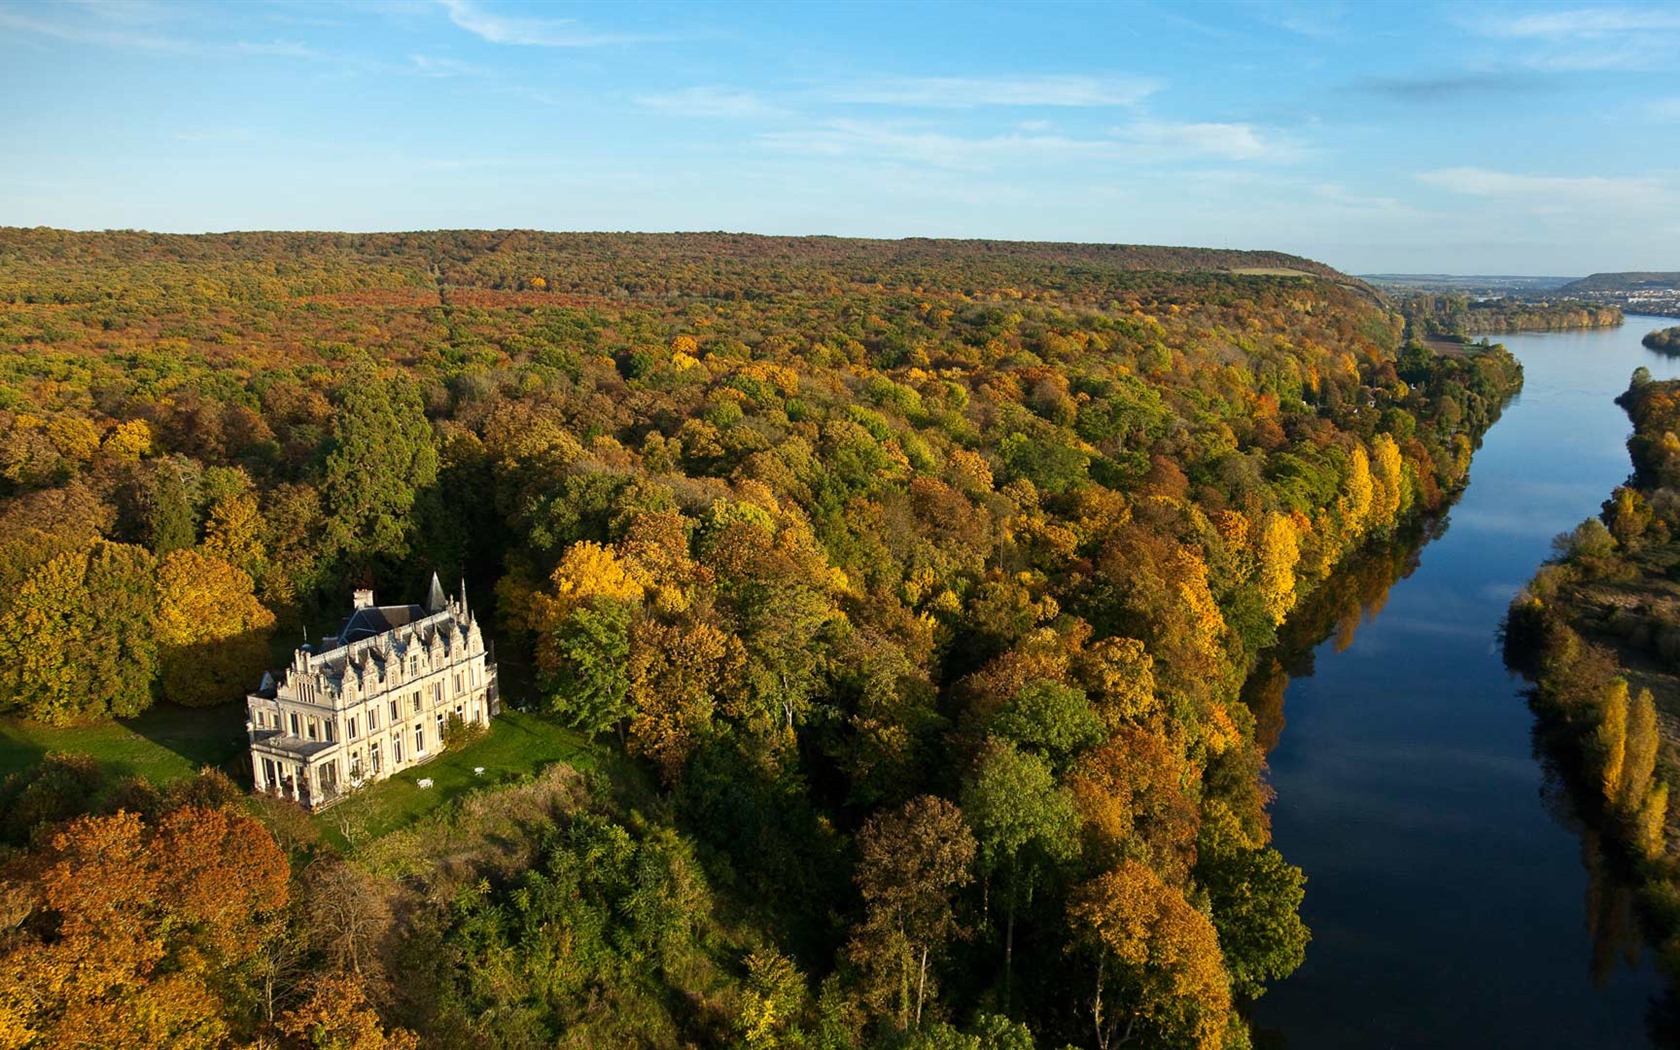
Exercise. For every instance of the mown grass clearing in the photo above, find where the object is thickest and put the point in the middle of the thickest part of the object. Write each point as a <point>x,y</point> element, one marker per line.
<point>163,744</point>
<point>517,744</point>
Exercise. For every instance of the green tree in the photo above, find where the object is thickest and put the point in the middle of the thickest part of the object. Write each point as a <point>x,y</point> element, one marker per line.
<point>910,861</point>
<point>1025,826</point>
<point>591,686</point>
<point>1050,718</point>
<point>170,522</point>
<point>1256,897</point>
<point>380,455</point>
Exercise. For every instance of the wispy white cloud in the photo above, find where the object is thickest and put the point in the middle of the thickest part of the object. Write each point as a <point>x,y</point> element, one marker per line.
<point>530,32</point>
<point>433,66</point>
<point>1579,202</point>
<point>111,25</point>
<point>1589,39</point>
<point>898,143</point>
<point>723,102</point>
<point>1226,141</point>
<point>972,92</point>
<point>223,135</point>
<point>1587,22</point>
<point>1483,182</point>
<point>1142,143</point>
<point>1317,19</point>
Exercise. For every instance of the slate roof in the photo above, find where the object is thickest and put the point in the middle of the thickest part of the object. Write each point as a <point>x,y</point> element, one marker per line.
<point>383,619</point>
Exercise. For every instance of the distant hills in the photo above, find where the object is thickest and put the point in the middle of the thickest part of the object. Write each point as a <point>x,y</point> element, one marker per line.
<point>1633,281</point>
<point>1634,292</point>
<point>1467,284</point>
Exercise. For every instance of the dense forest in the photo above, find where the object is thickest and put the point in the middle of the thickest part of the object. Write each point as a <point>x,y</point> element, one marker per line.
<point>1459,316</point>
<point>907,591</point>
<point>1598,631</point>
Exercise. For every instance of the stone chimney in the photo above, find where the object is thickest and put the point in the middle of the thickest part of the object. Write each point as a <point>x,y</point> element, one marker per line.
<point>364,598</point>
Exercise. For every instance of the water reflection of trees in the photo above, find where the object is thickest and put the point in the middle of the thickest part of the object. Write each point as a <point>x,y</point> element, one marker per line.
<point>1354,595</point>
<point>1614,930</point>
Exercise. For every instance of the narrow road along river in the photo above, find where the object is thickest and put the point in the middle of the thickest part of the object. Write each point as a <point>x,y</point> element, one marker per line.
<point>1448,889</point>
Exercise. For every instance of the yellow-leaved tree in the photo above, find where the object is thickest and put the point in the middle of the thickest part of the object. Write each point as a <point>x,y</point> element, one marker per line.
<point>1388,477</point>
<point>211,629</point>
<point>588,571</point>
<point>1280,551</point>
<point>76,641</point>
<point>1160,978</point>
<point>1612,740</point>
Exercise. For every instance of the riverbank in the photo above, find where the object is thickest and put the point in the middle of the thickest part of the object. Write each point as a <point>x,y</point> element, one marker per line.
<point>1598,631</point>
<point>1444,866</point>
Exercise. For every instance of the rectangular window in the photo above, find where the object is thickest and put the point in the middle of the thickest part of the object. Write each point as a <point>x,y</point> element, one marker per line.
<point>396,749</point>
<point>417,701</point>
<point>356,766</point>
<point>269,776</point>
<point>419,740</point>
<point>394,715</point>
<point>373,718</point>
<point>295,730</point>
<point>327,726</point>
<point>350,728</point>
<point>311,728</point>
<point>373,756</point>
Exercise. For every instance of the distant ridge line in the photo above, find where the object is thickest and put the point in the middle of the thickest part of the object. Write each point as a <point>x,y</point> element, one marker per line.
<point>68,245</point>
<point>1625,281</point>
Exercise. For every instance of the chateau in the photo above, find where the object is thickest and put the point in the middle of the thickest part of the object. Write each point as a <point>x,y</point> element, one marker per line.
<point>373,700</point>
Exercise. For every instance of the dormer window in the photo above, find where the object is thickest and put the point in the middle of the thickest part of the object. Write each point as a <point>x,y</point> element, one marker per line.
<point>414,665</point>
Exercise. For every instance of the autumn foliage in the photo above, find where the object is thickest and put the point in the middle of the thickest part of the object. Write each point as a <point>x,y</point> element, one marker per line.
<point>905,590</point>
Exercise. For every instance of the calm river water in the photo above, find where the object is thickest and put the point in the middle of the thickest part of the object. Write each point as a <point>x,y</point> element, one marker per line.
<point>1452,898</point>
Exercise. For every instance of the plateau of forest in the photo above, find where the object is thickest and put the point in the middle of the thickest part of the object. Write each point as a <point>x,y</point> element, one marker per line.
<point>878,612</point>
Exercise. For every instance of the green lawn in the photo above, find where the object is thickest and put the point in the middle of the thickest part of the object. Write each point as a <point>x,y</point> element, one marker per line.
<point>163,744</point>
<point>168,743</point>
<point>517,744</point>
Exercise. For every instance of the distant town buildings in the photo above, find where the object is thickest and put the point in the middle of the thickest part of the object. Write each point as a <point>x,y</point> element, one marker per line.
<point>374,699</point>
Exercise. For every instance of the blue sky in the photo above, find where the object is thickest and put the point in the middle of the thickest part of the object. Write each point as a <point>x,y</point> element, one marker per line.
<point>1377,137</point>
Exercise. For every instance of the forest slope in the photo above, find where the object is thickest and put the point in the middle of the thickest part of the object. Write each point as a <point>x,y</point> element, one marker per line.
<point>916,583</point>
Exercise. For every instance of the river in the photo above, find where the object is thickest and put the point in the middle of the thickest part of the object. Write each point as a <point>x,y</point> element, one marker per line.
<point>1453,898</point>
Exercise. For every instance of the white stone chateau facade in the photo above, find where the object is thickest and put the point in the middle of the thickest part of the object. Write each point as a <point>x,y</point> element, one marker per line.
<point>373,700</point>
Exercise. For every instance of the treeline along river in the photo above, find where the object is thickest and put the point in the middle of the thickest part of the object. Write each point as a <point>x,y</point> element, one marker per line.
<point>1455,900</point>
